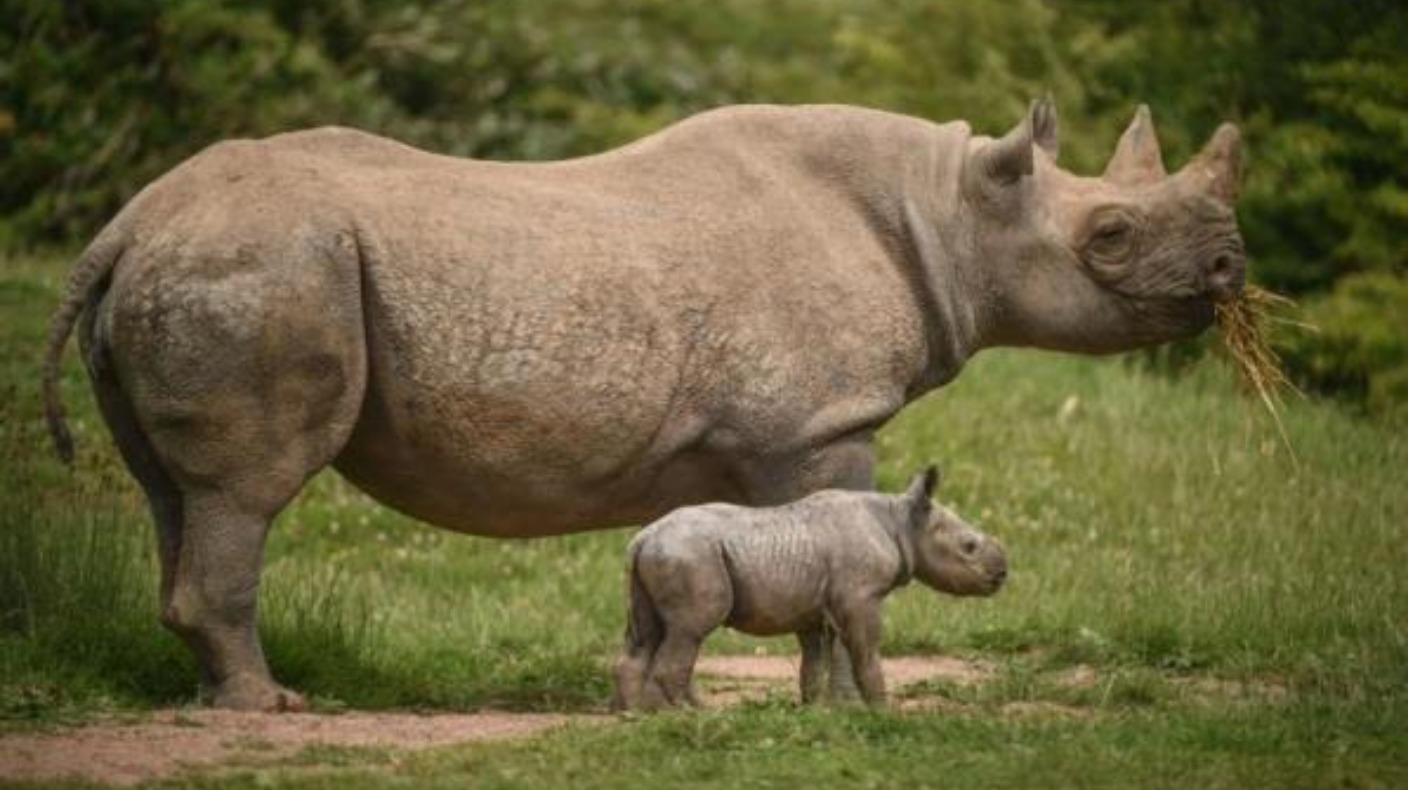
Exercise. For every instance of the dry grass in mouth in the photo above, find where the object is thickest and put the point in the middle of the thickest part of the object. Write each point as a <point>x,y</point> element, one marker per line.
<point>1242,324</point>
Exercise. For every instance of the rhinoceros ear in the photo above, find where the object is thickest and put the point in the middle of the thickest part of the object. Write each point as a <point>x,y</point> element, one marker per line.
<point>1217,168</point>
<point>1006,159</point>
<point>1137,159</point>
<point>922,485</point>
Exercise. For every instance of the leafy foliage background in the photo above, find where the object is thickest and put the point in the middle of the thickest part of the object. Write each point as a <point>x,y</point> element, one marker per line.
<point>98,97</point>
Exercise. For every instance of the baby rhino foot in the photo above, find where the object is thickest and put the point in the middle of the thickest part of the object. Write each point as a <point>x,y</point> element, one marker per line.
<point>252,693</point>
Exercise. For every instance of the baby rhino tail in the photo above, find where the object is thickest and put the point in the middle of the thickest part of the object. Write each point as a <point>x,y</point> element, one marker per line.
<point>644,628</point>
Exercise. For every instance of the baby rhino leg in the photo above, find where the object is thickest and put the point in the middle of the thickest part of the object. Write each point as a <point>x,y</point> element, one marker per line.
<point>673,672</point>
<point>816,655</point>
<point>859,624</point>
<point>692,599</point>
<point>644,633</point>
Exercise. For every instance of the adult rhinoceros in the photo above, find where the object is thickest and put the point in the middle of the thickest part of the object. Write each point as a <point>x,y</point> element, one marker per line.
<point>725,310</point>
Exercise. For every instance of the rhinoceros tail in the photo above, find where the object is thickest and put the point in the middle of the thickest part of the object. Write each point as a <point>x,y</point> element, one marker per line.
<point>92,268</point>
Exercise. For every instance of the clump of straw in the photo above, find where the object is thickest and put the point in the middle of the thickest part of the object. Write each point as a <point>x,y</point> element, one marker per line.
<point>1242,323</point>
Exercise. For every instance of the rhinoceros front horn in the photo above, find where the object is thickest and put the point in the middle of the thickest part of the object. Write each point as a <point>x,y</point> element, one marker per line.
<point>1215,170</point>
<point>1137,159</point>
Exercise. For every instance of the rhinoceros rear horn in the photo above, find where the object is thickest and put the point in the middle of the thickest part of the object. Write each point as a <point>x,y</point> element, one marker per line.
<point>1137,159</point>
<point>1217,167</point>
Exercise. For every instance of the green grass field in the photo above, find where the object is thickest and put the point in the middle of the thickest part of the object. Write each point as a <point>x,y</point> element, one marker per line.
<point>1245,612</point>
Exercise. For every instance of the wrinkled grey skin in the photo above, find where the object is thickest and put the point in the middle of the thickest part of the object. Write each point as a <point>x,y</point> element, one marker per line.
<point>819,566</point>
<point>726,310</point>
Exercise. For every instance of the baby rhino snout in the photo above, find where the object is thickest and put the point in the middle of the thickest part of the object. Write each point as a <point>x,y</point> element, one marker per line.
<point>954,557</point>
<point>973,564</point>
<point>994,562</point>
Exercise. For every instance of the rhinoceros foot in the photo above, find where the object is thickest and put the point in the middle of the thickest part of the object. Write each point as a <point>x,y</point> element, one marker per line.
<point>251,693</point>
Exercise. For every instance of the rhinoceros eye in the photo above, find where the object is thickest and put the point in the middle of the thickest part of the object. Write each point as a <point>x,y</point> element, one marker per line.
<point>1109,242</point>
<point>1110,233</point>
<point>1111,236</point>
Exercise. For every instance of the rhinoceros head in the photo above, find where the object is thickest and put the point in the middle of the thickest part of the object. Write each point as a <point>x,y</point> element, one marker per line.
<point>1132,258</point>
<point>950,555</point>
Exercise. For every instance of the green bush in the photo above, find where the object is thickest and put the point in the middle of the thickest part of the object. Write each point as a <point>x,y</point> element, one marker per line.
<point>99,97</point>
<point>1359,344</point>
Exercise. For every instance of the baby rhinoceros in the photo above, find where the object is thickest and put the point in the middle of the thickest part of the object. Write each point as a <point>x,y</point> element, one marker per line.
<point>818,567</point>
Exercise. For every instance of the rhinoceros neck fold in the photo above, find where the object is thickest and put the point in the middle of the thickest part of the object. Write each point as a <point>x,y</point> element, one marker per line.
<point>899,529</point>
<point>942,297</point>
<point>902,175</point>
<point>945,286</point>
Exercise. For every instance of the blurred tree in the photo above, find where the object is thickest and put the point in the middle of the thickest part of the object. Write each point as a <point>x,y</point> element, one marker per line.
<point>1321,91</point>
<point>100,97</point>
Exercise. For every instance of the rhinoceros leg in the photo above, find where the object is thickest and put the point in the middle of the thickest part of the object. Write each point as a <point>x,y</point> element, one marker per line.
<point>163,497</point>
<point>848,464</point>
<point>214,600</point>
<point>236,385</point>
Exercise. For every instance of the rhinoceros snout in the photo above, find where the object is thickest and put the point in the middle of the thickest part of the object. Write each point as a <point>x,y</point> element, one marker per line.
<point>1226,275</point>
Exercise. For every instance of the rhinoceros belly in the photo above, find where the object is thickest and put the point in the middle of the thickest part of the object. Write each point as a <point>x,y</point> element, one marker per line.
<point>514,400</point>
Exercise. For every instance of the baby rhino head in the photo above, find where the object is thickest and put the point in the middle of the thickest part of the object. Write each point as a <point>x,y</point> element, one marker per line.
<point>950,555</point>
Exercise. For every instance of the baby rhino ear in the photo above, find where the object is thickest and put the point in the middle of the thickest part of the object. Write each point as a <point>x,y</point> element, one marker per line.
<point>921,487</point>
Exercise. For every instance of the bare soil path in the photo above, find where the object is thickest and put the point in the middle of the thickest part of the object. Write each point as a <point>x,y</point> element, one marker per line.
<point>170,742</point>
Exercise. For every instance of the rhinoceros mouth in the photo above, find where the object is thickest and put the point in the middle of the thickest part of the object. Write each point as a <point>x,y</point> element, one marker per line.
<point>1173,318</point>
<point>1200,313</point>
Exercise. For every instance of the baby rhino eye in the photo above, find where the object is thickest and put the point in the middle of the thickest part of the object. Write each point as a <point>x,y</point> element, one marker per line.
<point>969,544</point>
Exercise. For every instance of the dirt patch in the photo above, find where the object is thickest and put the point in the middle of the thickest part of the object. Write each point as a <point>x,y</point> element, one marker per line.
<point>899,671</point>
<point>1078,676</point>
<point>1220,691</point>
<point>728,680</point>
<point>170,742</point>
